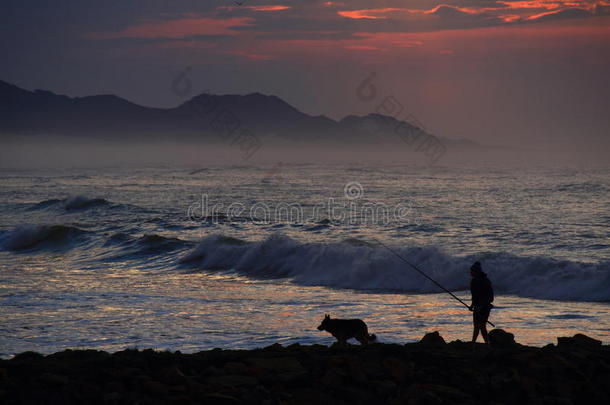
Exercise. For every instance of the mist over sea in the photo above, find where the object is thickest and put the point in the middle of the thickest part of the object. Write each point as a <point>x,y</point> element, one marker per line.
<point>192,258</point>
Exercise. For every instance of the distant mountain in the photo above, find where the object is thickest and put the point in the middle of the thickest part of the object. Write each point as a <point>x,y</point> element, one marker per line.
<point>205,117</point>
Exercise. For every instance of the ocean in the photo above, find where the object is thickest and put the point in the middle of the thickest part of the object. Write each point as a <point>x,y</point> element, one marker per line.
<point>192,258</point>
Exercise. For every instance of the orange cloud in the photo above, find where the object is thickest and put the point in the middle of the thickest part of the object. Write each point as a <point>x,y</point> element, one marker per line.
<point>549,4</point>
<point>368,14</point>
<point>462,9</point>
<point>255,8</point>
<point>178,28</point>
<point>510,18</point>
<point>536,16</point>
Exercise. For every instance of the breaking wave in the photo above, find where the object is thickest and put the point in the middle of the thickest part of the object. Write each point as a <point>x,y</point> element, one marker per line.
<point>146,245</point>
<point>73,203</point>
<point>366,266</point>
<point>26,237</point>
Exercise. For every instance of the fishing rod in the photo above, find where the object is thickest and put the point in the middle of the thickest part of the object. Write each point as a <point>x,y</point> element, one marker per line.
<point>425,275</point>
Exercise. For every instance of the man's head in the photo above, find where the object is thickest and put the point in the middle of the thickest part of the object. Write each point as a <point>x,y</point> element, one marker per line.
<point>475,269</point>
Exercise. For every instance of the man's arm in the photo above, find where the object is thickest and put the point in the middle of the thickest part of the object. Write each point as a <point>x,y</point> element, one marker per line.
<point>472,293</point>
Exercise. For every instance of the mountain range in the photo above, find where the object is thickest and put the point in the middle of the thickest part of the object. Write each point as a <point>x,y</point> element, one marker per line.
<point>203,117</point>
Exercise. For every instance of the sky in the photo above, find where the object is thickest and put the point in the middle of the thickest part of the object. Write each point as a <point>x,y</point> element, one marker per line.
<point>500,72</point>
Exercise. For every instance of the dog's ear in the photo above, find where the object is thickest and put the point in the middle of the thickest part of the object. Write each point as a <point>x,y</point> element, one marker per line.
<point>327,316</point>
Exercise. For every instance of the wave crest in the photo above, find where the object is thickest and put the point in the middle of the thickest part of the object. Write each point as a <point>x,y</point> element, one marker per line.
<point>73,203</point>
<point>39,236</point>
<point>368,267</point>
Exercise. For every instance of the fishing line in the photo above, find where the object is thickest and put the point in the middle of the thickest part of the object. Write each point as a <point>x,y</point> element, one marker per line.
<point>425,275</point>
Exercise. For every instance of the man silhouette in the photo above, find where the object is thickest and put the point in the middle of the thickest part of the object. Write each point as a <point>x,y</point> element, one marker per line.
<point>482,297</point>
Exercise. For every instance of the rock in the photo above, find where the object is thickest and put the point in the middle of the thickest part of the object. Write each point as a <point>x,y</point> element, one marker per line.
<point>557,400</point>
<point>384,387</point>
<point>452,394</point>
<point>416,394</point>
<point>125,373</point>
<point>274,347</point>
<point>179,400</point>
<point>277,364</point>
<point>154,387</point>
<point>307,396</point>
<point>233,367</point>
<point>383,373</point>
<point>217,399</point>
<point>115,386</point>
<point>173,376</point>
<point>499,338</point>
<point>355,370</point>
<point>54,379</point>
<point>29,355</point>
<point>396,369</point>
<point>334,377</point>
<point>578,341</point>
<point>112,398</point>
<point>213,371</point>
<point>433,338</point>
<point>232,380</point>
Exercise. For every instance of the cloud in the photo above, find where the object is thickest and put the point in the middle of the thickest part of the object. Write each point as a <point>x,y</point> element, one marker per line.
<point>177,28</point>
<point>372,14</point>
<point>570,13</point>
<point>362,48</point>
<point>446,11</point>
<point>554,14</point>
<point>334,23</point>
<point>256,8</point>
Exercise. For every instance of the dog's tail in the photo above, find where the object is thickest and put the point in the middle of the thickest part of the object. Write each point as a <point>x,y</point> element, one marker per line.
<point>372,337</point>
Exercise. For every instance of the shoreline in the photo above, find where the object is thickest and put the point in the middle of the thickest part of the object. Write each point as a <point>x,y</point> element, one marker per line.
<point>575,370</point>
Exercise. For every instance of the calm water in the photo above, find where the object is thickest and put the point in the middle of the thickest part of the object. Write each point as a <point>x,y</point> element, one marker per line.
<point>195,258</point>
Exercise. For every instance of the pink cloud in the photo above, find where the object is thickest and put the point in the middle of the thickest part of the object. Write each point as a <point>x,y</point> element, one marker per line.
<point>256,8</point>
<point>362,48</point>
<point>372,14</point>
<point>445,6</point>
<point>333,3</point>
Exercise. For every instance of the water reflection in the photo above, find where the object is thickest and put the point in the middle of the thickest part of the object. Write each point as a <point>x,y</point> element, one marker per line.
<point>111,309</point>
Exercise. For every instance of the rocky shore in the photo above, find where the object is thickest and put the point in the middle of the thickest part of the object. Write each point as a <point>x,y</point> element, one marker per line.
<point>575,371</point>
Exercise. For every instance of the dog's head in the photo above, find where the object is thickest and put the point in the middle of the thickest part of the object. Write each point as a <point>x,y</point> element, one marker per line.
<point>324,323</point>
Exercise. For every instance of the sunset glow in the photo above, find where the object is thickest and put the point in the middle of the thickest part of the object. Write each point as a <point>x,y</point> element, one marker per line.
<point>305,202</point>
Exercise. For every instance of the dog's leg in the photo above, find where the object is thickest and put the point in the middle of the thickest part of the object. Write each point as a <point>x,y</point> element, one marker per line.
<point>363,338</point>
